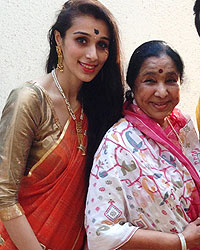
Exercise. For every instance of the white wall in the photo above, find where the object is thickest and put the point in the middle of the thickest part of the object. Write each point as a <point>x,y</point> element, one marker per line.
<point>23,38</point>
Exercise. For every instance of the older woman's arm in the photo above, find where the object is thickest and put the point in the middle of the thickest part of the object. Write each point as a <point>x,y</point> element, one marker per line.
<point>148,239</point>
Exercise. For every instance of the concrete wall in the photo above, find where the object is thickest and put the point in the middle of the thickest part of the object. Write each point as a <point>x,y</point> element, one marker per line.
<point>23,38</point>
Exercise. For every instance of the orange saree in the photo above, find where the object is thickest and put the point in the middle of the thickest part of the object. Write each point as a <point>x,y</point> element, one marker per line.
<point>53,195</point>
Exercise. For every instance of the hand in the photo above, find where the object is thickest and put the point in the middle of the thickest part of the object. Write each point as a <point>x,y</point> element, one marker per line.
<point>192,234</point>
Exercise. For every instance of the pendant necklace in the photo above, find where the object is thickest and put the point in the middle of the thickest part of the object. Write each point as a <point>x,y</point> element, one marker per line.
<point>79,130</point>
<point>178,137</point>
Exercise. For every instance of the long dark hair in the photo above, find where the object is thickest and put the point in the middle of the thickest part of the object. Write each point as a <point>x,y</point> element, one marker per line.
<point>154,48</point>
<point>102,98</point>
<point>196,13</point>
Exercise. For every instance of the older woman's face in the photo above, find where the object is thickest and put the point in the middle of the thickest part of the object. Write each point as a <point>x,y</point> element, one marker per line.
<point>157,87</point>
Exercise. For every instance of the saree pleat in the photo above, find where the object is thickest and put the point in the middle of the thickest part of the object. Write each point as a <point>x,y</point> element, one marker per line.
<point>53,195</point>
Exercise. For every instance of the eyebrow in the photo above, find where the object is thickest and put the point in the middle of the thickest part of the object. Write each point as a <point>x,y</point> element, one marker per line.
<point>149,73</point>
<point>173,73</point>
<point>86,34</point>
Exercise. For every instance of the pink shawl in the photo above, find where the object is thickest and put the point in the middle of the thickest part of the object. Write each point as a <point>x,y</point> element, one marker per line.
<point>153,130</point>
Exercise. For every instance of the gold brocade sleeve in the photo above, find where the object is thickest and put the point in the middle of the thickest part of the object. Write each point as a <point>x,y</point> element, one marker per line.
<point>20,119</point>
<point>11,212</point>
<point>198,115</point>
<point>28,129</point>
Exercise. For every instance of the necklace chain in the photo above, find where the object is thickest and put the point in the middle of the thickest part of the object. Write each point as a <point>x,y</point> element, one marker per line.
<point>64,97</point>
<point>79,130</point>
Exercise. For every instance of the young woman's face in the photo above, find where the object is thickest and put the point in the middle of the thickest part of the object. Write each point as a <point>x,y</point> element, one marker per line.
<point>85,48</point>
<point>157,87</point>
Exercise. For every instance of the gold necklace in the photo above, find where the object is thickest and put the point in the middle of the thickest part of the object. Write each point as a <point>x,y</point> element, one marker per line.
<point>79,130</point>
<point>178,137</point>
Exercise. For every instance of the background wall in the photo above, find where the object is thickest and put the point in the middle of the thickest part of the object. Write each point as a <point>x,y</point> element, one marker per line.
<point>24,26</point>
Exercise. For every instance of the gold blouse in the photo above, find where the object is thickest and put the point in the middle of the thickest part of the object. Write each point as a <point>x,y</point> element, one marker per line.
<point>28,129</point>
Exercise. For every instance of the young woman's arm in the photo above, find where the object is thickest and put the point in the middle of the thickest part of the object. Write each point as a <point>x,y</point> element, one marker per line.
<point>22,234</point>
<point>17,128</point>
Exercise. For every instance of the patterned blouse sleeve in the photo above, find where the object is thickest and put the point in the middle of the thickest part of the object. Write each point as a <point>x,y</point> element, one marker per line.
<point>107,221</point>
<point>18,124</point>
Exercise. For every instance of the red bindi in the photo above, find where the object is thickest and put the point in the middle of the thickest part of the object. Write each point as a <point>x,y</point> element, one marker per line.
<point>160,70</point>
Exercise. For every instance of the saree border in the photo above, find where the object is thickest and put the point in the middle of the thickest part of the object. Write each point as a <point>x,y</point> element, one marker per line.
<point>50,150</point>
<point>49,100</point>
<point>74,245</point>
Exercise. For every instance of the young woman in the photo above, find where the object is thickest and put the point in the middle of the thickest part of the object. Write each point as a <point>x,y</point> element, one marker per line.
<point>51,127</point>
<point>144,190</point>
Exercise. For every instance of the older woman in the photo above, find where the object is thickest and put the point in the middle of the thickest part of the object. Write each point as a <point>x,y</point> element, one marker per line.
<point>144,185</point>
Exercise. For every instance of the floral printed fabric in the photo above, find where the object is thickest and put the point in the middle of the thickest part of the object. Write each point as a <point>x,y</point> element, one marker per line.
<point>137,183</point>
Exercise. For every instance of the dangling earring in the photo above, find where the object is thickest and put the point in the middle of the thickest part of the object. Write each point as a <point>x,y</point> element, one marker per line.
<point>60,59</point>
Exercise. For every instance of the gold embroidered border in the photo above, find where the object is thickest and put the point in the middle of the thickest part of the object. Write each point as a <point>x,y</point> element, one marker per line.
<point>11,212</point>
<point>50,150</point>
<point>77,238</point>
<point>62,134</point>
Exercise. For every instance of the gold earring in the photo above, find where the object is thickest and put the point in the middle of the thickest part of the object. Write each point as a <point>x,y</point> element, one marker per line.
<point>60,59</point>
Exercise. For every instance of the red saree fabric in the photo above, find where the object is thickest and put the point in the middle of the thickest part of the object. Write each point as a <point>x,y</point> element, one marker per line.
<point>53,195</point>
